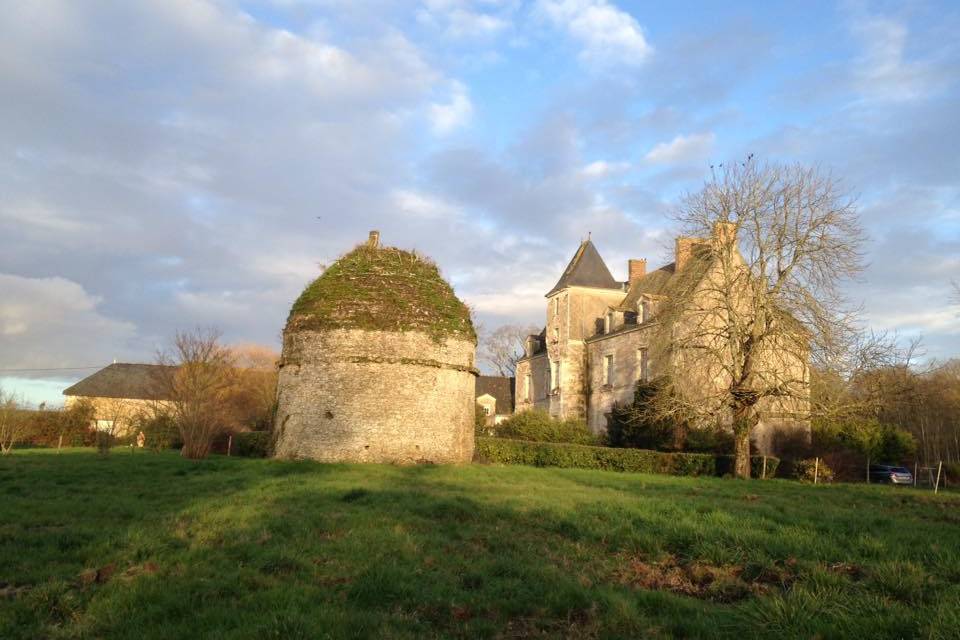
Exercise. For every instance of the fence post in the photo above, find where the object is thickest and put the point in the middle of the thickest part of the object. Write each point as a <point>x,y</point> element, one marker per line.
<point>763,474</point>
<point>229,444</point>
<point>936,487</point>
<point>816,470</point>
<point>915,467</point>
<point>59,442</point>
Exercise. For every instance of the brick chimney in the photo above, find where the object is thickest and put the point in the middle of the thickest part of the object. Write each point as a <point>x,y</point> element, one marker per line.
<point>636,268</point>
<point>374,240</point>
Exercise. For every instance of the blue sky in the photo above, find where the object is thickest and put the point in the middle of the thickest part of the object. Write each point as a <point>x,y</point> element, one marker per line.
<point>173,163</point>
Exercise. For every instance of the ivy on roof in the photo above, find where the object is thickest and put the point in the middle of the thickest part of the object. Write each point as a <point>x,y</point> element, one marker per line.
<point>382,289</point>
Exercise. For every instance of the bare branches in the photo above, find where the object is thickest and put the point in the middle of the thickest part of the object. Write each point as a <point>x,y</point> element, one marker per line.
<point>763,297</point>
<point>13,425</point>
<point>199,379</point>
<point>502,348</point>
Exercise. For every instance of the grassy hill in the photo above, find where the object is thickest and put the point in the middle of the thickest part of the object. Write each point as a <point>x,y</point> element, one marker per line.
<point>153,546</point>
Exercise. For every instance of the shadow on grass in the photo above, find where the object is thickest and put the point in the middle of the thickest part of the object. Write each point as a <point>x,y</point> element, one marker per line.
<point>254,548</point>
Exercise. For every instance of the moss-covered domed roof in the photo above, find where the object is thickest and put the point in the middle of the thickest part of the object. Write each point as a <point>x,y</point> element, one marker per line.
<point>382,289</point>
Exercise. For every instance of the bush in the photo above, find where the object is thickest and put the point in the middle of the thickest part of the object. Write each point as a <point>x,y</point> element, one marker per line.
<point>253,444</point>
<point>806,470</point>
<point>548,454</point>
<point>637,425</point>
<point>716,440</point>
<point>480,426</point>
<point>159,431</point>
<point>537,425</point>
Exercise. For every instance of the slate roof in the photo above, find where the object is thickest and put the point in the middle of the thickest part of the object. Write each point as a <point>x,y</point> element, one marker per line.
<point>501,388</point>
<point>665,280</point>
<point>586,269</point>
<point>121,380</point>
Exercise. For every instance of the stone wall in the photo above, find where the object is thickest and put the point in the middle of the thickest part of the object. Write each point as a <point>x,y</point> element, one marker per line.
<point>117,415</point>
<point>623,346</point>
<point>349,395</point>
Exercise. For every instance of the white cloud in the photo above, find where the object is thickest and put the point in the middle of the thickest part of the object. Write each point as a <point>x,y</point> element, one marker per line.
<point>681,149</point>
<point>464,19</point>
<point>421,205</point>
<point>602,168</point>
<point>607,35</point>
<point>882,71</point>
<point>445,117</point>
<point>54,322</point>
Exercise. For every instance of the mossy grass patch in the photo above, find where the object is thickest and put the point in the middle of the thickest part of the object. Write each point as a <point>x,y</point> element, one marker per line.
<point>382,289</point>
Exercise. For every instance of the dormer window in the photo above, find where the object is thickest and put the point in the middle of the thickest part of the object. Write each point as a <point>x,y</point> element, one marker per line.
<point>608,323</point>
<point>643,311</point>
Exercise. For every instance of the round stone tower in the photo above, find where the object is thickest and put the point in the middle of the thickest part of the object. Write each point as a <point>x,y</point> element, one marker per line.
<point>377,364</point>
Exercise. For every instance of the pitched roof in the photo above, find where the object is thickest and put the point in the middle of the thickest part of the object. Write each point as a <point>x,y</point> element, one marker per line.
<point>122,380</point>
<point>666,281</point>
<point>586,269</point>
<point>500,387</point>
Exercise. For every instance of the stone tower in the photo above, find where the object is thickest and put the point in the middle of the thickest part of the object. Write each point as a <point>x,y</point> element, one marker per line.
<point>377,364</point>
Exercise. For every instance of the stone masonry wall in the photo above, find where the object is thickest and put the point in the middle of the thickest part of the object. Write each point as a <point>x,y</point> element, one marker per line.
<point>368,396</point>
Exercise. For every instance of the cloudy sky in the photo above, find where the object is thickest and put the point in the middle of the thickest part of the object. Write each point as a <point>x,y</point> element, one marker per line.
<point>172,163</point>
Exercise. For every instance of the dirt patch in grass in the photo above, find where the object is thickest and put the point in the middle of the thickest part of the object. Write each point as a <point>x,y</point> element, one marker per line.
<point>705,581</point>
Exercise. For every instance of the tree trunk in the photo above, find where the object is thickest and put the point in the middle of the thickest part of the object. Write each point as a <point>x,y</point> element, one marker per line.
<point>742,453</point>
<point>744,420</point>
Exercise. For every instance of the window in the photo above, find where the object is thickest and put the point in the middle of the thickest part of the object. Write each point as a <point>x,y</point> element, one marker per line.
<point>556,334</point>
<point>529,385</point>
<point>644,311</point>
<point>608,370</point>
<point>105,425</point>
<point>608,323</point>
<point>556,306</point>
<point>486,411</point>
<point>554,375</point>
<point>643,365</point>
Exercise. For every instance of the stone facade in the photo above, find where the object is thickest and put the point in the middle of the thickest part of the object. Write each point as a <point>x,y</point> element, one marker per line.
<point>352,394</point>
<point>598,343</point>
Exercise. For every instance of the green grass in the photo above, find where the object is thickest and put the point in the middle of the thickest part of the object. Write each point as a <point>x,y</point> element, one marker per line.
<point>153,546</point>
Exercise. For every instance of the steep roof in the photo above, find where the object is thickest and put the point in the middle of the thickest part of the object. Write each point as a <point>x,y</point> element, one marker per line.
<point>666,281</point>
<point>501,388</point>
<point>586,269</point>
<point>122,380</point>
<point>382,289</point>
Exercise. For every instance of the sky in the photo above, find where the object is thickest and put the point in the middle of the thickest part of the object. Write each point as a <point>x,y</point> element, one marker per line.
<point>168,164</point>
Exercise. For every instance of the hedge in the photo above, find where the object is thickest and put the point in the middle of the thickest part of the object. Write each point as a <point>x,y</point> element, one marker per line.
<point>252,444</point>
<point>550,454</point>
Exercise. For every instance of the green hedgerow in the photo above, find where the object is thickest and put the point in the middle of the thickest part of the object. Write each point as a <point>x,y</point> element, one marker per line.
<point>537,425</point>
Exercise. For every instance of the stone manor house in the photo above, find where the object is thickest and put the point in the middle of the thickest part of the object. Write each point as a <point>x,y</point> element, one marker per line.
<point>596,344</point>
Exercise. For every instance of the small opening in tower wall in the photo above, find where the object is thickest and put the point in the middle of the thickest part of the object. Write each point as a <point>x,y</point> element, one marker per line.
<point>328,415</point>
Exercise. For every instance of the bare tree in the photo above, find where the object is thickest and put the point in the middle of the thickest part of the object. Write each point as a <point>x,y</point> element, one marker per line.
<point>256,376</point>
<point>114,418</point>
<point>13,424</point>
<point>504,346</point>
<point>761,298</point>
<point>199,379</point>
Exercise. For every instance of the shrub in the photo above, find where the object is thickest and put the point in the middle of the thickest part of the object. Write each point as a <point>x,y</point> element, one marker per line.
<point>638,425</point>
<point>480,426</point>
<point>807,470</point>
<point>549,454</point>
<point>253,444</point>
<point>537,425</point>
<point>715,440</point>
<point>159,430</point>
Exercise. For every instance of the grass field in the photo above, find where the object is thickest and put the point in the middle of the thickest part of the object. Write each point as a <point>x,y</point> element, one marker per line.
<point>153,546</point>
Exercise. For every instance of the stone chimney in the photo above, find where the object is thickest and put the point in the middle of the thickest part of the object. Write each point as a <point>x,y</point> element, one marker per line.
<point>374,240</point>
<point>636,269</point>
<point>684,249</point>
<point>724,233</point>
